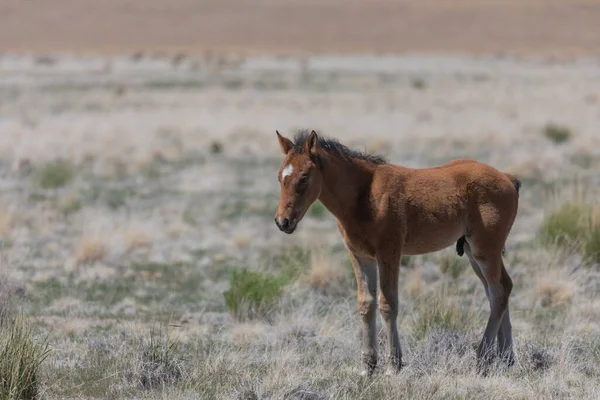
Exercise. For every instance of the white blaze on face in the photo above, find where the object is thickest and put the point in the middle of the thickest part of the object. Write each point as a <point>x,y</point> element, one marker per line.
<point>287,171</point>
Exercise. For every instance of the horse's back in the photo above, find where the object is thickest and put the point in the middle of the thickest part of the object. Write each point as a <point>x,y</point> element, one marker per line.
<point>442,203</point>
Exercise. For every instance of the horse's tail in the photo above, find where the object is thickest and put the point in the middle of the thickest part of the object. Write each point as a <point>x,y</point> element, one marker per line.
<point>515,181</point>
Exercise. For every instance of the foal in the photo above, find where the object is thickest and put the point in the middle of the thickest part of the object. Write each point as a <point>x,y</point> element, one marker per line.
<point>384,211</point>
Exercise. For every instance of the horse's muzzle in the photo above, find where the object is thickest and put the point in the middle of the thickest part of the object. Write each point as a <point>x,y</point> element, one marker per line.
<point>285,225</point>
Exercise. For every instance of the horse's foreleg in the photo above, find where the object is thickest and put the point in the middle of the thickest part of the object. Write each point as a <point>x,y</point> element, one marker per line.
<point>365,271</point>
<point>389,265</point>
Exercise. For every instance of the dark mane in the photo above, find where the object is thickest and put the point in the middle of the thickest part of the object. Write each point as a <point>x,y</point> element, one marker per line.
<point>332,146</point>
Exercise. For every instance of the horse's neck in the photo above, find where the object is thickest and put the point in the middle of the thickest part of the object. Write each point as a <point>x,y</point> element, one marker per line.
<point>344,182</point>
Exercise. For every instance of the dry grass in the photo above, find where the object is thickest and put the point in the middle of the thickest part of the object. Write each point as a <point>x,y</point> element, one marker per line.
<point>22,352</point>
<point>90,251</point>
<point>554,290</point>
<point>171,192</point>
<point>415,284</point>
<point>6,221</point>
<point>327,275</point>
<point>137,239</point>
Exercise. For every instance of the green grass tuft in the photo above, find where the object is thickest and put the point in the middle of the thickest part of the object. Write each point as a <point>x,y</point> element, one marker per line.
<point>575,225</point>
<point>564,226</point>
<point>252,294</point>
<point>55,175</point>
<point>216,147</point>
<point>21,356</point>
<point>557,134</point>
<point>418,83</point>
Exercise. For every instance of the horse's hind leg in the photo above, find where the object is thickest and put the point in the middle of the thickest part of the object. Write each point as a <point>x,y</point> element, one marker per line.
<point>499,288</point>
<point>505,341</point>
<point>476,269</point>
<point>505,350</point>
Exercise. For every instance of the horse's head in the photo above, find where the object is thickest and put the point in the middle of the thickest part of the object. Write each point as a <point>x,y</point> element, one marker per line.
<point>300,180</point>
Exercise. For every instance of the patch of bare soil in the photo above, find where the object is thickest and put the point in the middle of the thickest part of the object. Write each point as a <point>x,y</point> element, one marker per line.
<point>294,27</point>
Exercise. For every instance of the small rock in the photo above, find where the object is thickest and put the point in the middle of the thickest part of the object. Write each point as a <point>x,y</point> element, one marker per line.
<point>302,394</point>
<point>247,395</point>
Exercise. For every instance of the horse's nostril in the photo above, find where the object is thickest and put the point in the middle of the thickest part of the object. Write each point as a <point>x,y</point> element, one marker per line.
<point>285,223</point>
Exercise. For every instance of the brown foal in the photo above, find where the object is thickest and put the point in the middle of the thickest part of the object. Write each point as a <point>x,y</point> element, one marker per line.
<point>384,211</point>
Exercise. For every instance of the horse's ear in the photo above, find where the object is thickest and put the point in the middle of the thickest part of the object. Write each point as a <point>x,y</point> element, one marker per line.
<point>312,144</point>
<point>285,143</point>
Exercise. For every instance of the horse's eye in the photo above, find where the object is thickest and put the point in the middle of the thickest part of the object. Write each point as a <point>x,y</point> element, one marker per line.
<point>304,179</point>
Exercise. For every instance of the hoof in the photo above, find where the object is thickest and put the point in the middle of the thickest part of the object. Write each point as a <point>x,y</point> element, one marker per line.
<point>483,365</point>
<point>368,371</point>
<point>508,359</point>
<point>394,367</point>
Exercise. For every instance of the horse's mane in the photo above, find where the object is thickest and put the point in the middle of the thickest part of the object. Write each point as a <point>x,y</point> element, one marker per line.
<point>334,147</point>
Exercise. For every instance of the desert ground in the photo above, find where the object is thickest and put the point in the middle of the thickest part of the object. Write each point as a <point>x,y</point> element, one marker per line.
<point>139,187</point>
<point>267,27</point>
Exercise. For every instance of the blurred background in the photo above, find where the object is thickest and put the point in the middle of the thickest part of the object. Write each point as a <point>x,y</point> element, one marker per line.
<point>138,181</point>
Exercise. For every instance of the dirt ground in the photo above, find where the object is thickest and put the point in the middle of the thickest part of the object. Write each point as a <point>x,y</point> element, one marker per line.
<point>555,28</point>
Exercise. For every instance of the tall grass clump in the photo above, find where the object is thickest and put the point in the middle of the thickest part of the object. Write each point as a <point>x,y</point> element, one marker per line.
<point>574,225</point>
<point>55,174</point>
<point>21,356</point>
<point>159,363</point>
<point>252,294</point>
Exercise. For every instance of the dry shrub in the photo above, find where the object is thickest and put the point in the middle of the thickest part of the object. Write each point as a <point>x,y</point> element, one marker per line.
<point>326,275</point>
<point>6,221</point>
<point>90,251</point>
<point>553,292</point>
<point>136,239</point>
<point>70,203</point>
<point>242,241</point>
